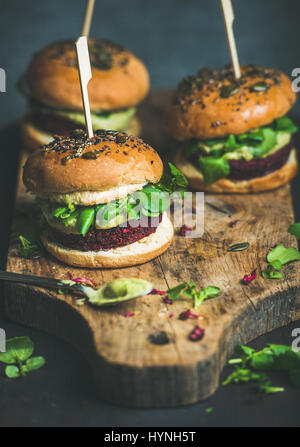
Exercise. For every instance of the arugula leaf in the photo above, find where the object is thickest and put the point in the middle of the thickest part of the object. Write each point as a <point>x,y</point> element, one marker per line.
<point>273,270</point>
<point>28,248</point>
<point>268,141</point>
<point>277,265</point>
<point>276,258</point>
<point>268,389</point>
<point>242,375</point>
<point>18,351</point>
<point>213,169</point>
<point>205,294</point>
<point>232,143</point>
<point>174,292</point>
<point>12,372</point>
<point>181,180</point>
<point>244,350</point>
<point>85,219</point>
<point>271,358</point>
<point>285,124</point>
<point>31,246</point>
<point>189,290</point>
<point>34,363</point>
<point>294,229</point>
<point>283,254</point>
<point>171,183</point>
<point>262,360</point>
<point>270,273</point>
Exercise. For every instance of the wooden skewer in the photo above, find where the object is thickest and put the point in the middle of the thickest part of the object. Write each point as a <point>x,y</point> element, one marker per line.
<point>85,75</point>
<point>228,15</point>
<point>88,18</point>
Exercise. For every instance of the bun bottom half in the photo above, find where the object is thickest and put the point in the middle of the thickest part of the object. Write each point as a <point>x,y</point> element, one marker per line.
<point>137,253</point>
<point>33,137</point>
<point>266,183</point>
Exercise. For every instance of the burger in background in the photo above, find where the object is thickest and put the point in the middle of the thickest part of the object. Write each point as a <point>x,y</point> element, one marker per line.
<point>235,135</point>
<point>120,82</point>
<point>96,199</point>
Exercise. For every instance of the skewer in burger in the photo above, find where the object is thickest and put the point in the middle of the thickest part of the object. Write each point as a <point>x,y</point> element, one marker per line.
<point>120,81</point>
<point>235,135</point>
<point>96,198</point>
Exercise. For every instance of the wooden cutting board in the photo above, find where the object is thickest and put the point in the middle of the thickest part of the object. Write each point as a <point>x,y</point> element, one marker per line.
<point>129,369</point>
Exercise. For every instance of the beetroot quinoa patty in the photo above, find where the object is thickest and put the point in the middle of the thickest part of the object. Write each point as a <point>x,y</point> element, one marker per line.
<point>259,167</point>
<point>54,125</point>
<point>96,240</point>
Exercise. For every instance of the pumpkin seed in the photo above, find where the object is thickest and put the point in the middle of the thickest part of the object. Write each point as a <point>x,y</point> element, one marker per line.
<point>239,247</point>
<point>260,87</point>
<point>229,90</point>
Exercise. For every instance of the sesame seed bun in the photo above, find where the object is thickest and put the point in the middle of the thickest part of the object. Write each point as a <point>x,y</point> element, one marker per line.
<point>120,80</point>
<point>268,182</point>
<point>214,105</point>
<point>110,159</point>
<point>33,137</point>
<point>137,253</point>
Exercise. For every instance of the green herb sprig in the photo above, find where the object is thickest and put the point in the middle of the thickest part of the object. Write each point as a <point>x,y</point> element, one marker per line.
<point>30,243</point>
<point>18,357</point>
<point>189,290</point>
<point>272,358</point>
<point>277,258</point>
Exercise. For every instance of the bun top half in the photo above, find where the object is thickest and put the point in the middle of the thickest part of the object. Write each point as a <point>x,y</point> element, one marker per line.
<point>120,80</point>
<point>213,104</point>
<point>110,159</point>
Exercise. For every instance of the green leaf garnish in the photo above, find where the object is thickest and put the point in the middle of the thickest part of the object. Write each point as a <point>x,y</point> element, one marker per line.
<point>294,229</point>
<point>285,124</point>
<point>269,138</point>
<point>276,258</point>
<point>31,246</point>
<point>213,169</point>
<point>283,254</point>
<point>85,219</point>
<point>18,351</point>
<point>12,372</point>
<point>175,292</point>
<point>18,348</point>
<point>174,182</point>
<point>189,290</point>
<point>271,358</point>
<point>270,273</point>
<point>34,363</point>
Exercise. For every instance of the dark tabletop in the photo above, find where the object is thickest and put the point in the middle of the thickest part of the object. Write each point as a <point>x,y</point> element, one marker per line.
<point>174,38</point>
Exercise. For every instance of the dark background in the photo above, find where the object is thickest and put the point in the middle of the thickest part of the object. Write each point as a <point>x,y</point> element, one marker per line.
<point>174,38</point>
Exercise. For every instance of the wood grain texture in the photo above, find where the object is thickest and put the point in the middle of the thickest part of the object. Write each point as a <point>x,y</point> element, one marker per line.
<point>128,369</point>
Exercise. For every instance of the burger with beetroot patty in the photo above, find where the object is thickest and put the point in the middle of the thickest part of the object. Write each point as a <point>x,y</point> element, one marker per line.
<point>235,135</point>
<point>103,199</point>
<point>120,81</point>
